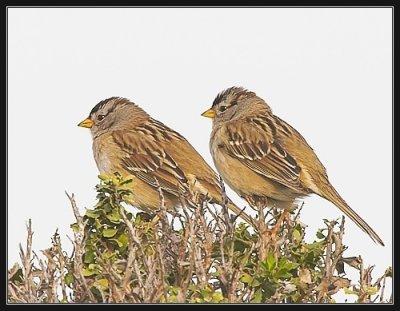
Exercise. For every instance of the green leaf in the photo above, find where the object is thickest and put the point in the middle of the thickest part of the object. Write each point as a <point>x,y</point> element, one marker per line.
<point>103,177</point>
<point>126,181</point>
<point>120,245</point>
<point>92,214</point>
<point>107,207</point>
<point>282,262</point>
<point>69,278</point>
<point>315,246</point>
<point>207,294</point>
<point>89,257</point>
<point>348,291</point>
<point>257,296</point>
<point>88,272</point>
<point>320,235</point>
<point>108,254</point>
<point>173,298</point>
<point>17,277</point>
<point>75,227</point>
<point>115,217</point>
<point>372,291</point>
<point>246,278</point>
<point>116,180</point>
<point>102,283</point>
<point>255,283</point>
<point>296,235</point>
<point>109,233</point>
<point>217,297</point>
<point>270,262</point>
<point>309,258</point>
<point>291,266</point>
<point>98,224</point>
<point>283,273</point>
<point>92,266</point>
<point>123,239</point>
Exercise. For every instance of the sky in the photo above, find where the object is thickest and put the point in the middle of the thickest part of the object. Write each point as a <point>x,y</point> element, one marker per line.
<point>326,71</point>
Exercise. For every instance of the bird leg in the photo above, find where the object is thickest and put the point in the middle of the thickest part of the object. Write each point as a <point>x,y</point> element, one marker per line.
<point>283,216</point>
<point>259,204</point>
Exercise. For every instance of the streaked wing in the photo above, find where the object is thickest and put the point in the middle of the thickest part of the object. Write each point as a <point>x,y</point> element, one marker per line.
<point>201,177</point>
<point>255,145</point>
<point>143,157</point>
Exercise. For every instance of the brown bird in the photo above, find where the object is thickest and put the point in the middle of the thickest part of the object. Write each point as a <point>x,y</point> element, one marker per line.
<point>263,158</point>
<point>128,141</point>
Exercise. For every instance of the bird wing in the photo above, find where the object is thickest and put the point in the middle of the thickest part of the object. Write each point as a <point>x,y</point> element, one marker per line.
<point>144,157</point>
<point>162,158</point>
<point>254,143</point>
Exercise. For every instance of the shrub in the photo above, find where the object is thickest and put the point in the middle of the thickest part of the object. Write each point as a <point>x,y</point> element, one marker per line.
<point>195,255</point>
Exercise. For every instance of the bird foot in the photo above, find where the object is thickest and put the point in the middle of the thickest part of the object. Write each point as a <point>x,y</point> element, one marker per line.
<point>272,231</point>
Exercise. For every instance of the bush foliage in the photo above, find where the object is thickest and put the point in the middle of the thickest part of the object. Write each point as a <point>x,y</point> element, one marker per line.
<point>193,255</point>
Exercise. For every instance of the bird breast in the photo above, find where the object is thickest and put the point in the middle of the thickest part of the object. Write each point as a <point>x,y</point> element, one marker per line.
<point>101,157</point>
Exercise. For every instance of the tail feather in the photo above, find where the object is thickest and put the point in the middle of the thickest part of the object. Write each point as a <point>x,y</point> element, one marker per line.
<point>332,195</point>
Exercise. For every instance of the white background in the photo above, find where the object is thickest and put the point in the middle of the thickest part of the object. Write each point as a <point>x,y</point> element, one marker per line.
<point>326,71</point>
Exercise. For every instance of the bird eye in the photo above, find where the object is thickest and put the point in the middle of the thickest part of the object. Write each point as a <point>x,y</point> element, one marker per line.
<point>100,117</point>
<point>222,108</point>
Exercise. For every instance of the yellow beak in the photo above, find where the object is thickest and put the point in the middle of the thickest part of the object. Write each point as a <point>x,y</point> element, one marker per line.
<point>86,123</point>
<point>210,113</point>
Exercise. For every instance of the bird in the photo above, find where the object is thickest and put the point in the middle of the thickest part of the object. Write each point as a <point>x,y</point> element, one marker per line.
<point>264,159</point>
<point>128,141</point>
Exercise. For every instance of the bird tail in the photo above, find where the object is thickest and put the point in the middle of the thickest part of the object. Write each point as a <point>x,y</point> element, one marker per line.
<point>331,194</point>
<point>241,213</point>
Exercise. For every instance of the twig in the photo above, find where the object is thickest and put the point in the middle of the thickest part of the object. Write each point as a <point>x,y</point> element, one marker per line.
<point>80,247</point>
<point>132,235</point>
<point>161,262</point>
<point>225,200</point>
<point>339,248</point>
<point>328,262</point>
<point>27,263</point>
